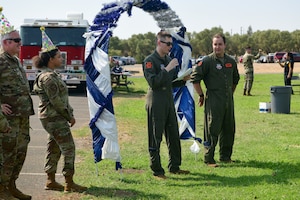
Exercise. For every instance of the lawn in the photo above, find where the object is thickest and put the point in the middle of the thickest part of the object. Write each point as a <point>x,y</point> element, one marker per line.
<point>266,150</point>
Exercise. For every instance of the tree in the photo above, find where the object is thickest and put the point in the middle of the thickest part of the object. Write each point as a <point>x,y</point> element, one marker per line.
<point>141,45</point>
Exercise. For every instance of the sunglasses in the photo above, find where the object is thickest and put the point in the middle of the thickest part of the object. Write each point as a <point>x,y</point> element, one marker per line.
<point>167,43</point>
<point>16,40</point>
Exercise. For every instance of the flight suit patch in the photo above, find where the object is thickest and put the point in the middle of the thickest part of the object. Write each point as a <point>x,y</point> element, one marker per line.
<point>228,65</point>
<point>148,65</point>
<point>219,66</point>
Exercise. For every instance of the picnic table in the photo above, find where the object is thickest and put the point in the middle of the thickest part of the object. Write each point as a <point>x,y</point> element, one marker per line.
<point>120,79</point>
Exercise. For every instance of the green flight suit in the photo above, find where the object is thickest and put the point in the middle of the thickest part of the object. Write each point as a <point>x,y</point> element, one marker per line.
<point>220,78</point>
<point>161,113</point>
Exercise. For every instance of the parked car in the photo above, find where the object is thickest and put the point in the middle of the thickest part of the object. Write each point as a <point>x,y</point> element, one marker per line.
<point>296,56</point>
<point>270,57</point>
<point>119,60</point>
<point>279,56</point>
<point>261,59</point>
<point>131,60</point>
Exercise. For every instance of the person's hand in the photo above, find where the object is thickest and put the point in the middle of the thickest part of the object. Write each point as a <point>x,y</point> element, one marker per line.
<point>172,64</point>
<point>187,77</point>
<point>7,130</point>
<point>72,122</point>
<point>6,109</point>
<point>201,101</point>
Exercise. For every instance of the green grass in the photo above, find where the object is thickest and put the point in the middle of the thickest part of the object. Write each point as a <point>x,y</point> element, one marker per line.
<point>266,150</point>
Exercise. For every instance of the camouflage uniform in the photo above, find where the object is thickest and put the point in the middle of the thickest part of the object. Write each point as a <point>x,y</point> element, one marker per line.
<point>55,112</point>
<point>3,124</point>
<point>14,90</point>
<point>249,72</point>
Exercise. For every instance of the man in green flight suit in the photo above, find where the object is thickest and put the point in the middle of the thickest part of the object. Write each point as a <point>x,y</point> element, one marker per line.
<point>159,71</point>
<point>220,75</point>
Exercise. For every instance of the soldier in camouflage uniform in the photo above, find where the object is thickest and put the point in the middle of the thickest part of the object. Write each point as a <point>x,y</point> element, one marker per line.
<point>220,75</point>
<point>4,128</point>
<point>249,72</point>
<point>56,116</point>
<point>17,107</point>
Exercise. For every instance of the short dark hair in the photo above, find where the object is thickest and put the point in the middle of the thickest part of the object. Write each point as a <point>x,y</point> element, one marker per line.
<point>290,55</point>
<point>220,35</point>
<point>162,34</point>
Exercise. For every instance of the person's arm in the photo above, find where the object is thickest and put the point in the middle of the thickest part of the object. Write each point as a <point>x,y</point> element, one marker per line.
<point>290,70</point>
<point>280,63</point>
<point>258,54</point>
<point>233,88</point>
<point>4,126</point>
<point>199,91</point>
<point>154,79</point>
<point>52,90</point>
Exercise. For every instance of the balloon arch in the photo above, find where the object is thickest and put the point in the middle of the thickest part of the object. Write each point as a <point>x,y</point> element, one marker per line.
<point>99,90</point>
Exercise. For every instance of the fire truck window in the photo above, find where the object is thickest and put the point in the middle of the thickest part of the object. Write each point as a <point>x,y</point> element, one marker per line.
<point>69,36</point>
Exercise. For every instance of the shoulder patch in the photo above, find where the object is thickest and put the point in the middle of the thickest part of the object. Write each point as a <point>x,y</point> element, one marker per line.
<point>228,65</point>
<point>148,65</point>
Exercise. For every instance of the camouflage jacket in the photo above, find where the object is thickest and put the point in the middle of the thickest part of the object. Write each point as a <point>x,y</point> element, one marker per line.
<point>248,61</point>
<point>14,86</point>
<point>53,94</point>
<point>3,122</point>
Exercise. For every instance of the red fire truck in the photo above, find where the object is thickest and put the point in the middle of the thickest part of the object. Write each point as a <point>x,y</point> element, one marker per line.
<point>66,34</point>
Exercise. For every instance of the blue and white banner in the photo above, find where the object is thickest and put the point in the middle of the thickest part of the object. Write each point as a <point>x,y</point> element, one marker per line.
<point>99,90</point>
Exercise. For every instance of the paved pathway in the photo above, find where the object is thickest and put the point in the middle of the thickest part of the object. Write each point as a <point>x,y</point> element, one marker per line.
<point>32,178</point>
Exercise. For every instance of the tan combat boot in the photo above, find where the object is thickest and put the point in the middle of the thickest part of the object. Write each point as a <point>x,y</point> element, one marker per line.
<point>17,193</point>
<point>73,187</point>
<point>51,184</point>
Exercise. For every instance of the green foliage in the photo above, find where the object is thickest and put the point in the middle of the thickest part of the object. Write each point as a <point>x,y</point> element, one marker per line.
<point>266,150</point>
<point>141,45</point>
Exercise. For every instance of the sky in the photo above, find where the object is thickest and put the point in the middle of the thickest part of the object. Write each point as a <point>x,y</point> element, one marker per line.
<point>232,16</point>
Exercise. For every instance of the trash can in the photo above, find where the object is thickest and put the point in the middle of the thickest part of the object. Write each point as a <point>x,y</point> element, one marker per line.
<point>281,99</point>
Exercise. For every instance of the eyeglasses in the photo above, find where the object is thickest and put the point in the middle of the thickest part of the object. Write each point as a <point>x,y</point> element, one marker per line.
<point>167,43</point>
<point>16,40</point>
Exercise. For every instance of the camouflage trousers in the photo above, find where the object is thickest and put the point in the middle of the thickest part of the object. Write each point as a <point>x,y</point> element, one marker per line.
<point>14,148</point>
<point>60,142</point>
<point>249,77</point>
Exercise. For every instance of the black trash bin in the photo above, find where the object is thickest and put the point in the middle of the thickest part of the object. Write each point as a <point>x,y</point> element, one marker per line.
<point>281,99</point>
